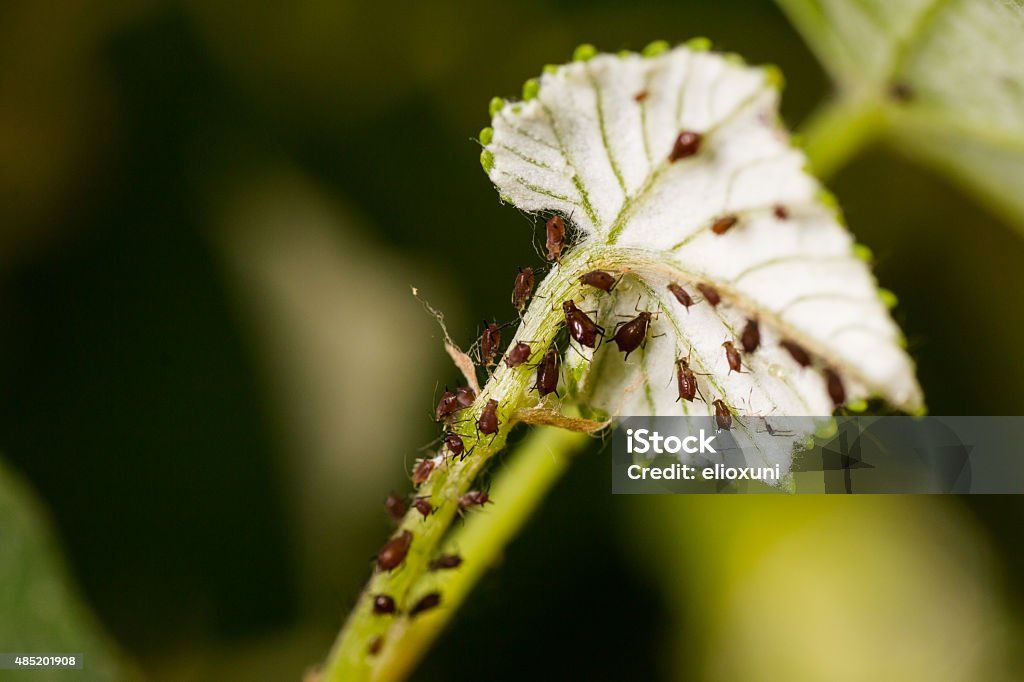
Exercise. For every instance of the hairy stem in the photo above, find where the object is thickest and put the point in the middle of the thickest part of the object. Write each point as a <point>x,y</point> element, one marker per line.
<point>839,129</point>
<point>519,488</point>
<point>350,659</point>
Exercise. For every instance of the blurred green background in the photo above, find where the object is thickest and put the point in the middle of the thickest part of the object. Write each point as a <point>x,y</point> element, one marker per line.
<point>213,370</point>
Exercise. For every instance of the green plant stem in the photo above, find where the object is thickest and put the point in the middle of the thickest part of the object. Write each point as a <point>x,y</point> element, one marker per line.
<point>350,659</point>
<point>839,129</point>
<point>521,485</point>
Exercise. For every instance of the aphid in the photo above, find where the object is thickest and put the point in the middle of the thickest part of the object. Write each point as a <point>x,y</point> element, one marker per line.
<point>465,396</point>
<point>454,443</point>
<point>426,603</point>
<point>640,96</point>
<point>474,498</point>
<point>581,327</point>
<point>547,373</point>
<point>447,406</point>
<point>836,390</point>
<point>780,212</point>
<point>376,645</point>
<point>518,354</point>
<point>724,224</point>
<point>723,416</point>
<point>392,554</point>
<point>490,341</point>
<point>383,604</point>
<point>900,92</point>
<point>680,294</point>
<point>488,421</point>
<point>522,290</point>
<point>797,351</point>
<point>421,472</point>
<point>555,228</point>
<point>446,561</point>
<point>423,506</point>
<point>751,336</point>
<point>687,144</point>
<point>686,380</point>
<point>599,279</point>
<point>630,335</point>
<point>733,357</point>
<point>395,506</point>
<point>711,294</point>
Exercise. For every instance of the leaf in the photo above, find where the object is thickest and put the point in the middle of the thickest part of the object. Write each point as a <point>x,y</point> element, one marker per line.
<point>39,613</point>
<point>948,76</point>
<point>594,141</point>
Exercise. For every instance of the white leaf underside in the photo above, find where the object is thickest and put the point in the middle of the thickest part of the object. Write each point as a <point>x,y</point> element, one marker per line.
<point>588,148</point>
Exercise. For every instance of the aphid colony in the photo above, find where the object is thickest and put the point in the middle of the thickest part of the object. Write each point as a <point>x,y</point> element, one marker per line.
<point>627,336</point>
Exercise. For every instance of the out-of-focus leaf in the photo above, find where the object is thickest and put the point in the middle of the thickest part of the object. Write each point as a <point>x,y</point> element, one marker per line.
<point>39,610</point>
<point>948,75</point>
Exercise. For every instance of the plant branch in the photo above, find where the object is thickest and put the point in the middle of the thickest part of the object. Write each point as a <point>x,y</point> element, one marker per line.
<point>839,129</point>
<point>350,659</point>
<point>519,488</point>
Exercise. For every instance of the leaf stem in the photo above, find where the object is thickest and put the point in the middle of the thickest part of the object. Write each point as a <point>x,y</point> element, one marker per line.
<point>351,659</point>
<point>522,483</point>
<point>839,129</point>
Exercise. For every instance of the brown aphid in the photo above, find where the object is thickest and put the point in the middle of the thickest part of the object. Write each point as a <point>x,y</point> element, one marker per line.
<point>488,421</point>
<point>423,506</point>
<point>797,352</point>
<point>446,562</point>
<point>834,383</point>
<point>376,645</point>
<point>733,357</point>
<point>581,327</point>
<point>723,415</point>
<point>447,406</point>
<point>780,212</point>
<point>640,96</point>
<point>465,396</point>
<point>421,472</point>
<point>427,602</point>
<point>724,224</point>
<point>454,443</point>
<point>599,279</point>
<point>518,354</point>
<point>555,233</point>
<point>630,335</point>
<point>680,294</point>
<point>384,604</point>
<point>687,144</point>
<point>395,507</point>
<point>547,373</point>
<point>474,498</point>
<point>490,341</point>
<point>686,380</point>
<point>751,336</point>
<point>522,290</point>
<point>392,554</point>
<point>710,293</point>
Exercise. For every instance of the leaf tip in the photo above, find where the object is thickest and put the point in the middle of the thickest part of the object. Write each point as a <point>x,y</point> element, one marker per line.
<point>496,105</point>
<point>584,52</point>
<point>888,298</point>
<point>698,44</point>
<point>654,48</point>
<point>487,161</point>
<point>857,406</point>
<point>826,429</point>
<point>486,135</point>
<point>773,74</point>
<point>864,253</point>
<point>531,89</point>
<point>550,68</point>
